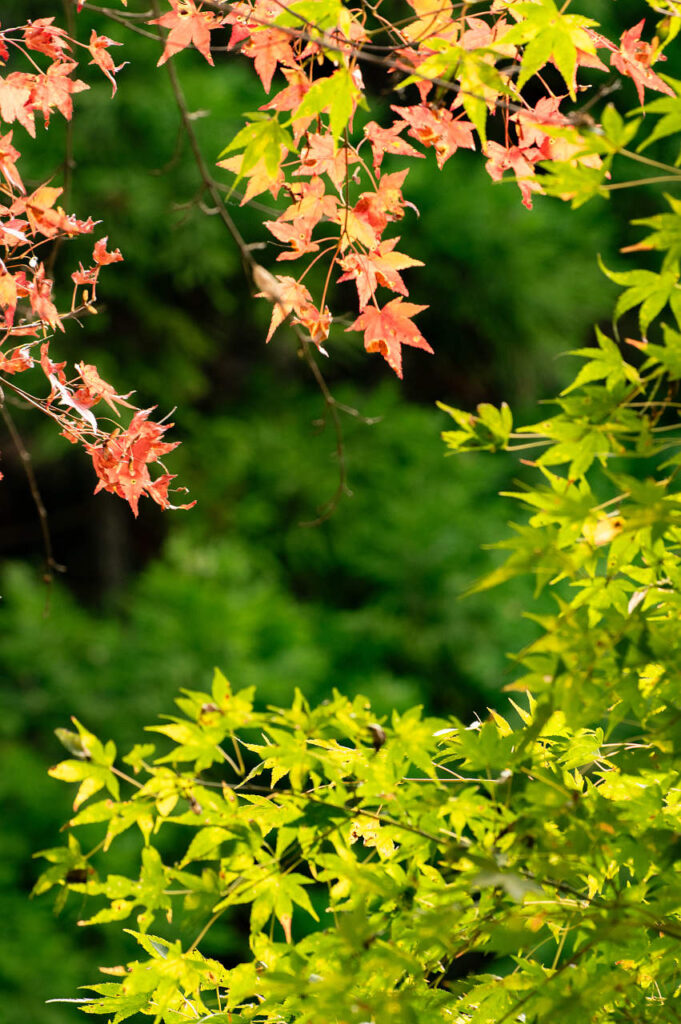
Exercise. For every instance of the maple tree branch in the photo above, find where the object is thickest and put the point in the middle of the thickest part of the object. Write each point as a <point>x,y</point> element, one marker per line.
<point>51,565</point>
<point>333,408</point>
<point>206,176</point>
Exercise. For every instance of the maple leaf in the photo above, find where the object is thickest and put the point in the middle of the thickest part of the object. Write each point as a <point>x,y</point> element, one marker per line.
<point>98,47</point>
<point>291,97</point>
<point>45,37</point>
<point>49,368</point>
<point>238,16</point>
<point>288,297</point>
<point>83,276</point>
<point>121,462</point>
<point>15,100</point>
<point>11,232</point>
<point>8,157</point>
<point>268,47</point>
<point>95,389</point>
<point>285,293</point>
<point>387,329</point>
<point>54,89</point>
<point>520,161</point>
<point>17,362</point>
<point>310,201</point>
<point>634,59</point>
<point>298,236</point>
<point>380,267</point>
<point>101,256</point>
<point>187,24</point>
<point>320,156</point>
<point>38,208</point>
<point>259,177</point>
<point>530,125</point>
<point>8,294</point>
<point>386,140</point>
<point>437,128</point>
<point>40,297</point>
<point>370,215</point>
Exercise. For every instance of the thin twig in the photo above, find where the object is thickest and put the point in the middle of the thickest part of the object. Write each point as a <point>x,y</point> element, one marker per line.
<point>51,565</point>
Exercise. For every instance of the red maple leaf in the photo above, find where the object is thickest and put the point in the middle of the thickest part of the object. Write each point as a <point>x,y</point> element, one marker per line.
<point>15,100</point>
<point>54,89</point>
<point>268,47</point>
<point>17,362</point>
<point>634,59</point>
<point>187,24</point>
<point>310,201</point>
<point>380,267</point>
<point>520,161</point>
<point>94,390</point>
<point>297,235</point>
<point>98,47</point>
<point>238,16</point>
<point>45,37</point>
<point>320,156</point>
<point>101,256</point>
<point>8,168</point>
<point>437,127</point>
<point>122,461</point>
<point>386,140</point>
<point>387,329</point>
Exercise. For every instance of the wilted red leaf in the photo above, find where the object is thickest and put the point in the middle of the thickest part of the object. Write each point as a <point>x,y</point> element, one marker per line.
<point>98,47</point>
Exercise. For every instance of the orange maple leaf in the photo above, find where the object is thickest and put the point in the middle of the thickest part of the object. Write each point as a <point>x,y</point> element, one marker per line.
<point>17,362</point>
<point>310,201</point>
<point>386,140</point>
<point>380,267</point>
<point>54,89</point>
<point>45,37</point>
<point>94,390</point>
<point>101,256</point>
<point>15,100</point>
<point>8,158</point>
<point>298,236</point>
<point>634,59</point>
<point>102,58</point>
<point>321,156</point>
<point>48,221</point>
<point>8,295</point>
<point>187,24</point>
<point>121,462</point>
<point>387,329</point>
<point>268,47</point>
<point>437,128</point>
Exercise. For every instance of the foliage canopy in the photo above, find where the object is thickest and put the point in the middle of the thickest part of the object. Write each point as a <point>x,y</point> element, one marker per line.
<point>520,868</point>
